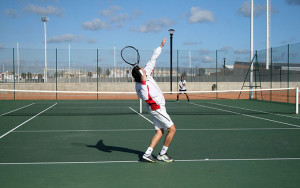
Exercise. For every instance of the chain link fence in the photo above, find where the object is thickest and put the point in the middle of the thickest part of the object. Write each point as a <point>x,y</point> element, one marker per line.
<point>104,70</point>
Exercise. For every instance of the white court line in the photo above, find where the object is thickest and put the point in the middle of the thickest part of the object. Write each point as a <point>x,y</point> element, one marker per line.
<point>77,107</point>
<point>141,115</point>
<point>246,115</point>
<point>27,121</point>
<point>104,130</point>
<point>184,160</point>
<point>128,130</point>
<point>253,159</point>
<point>16,109</point>
<point>239,129</point>
<point>58,163</point>
<point>254,110</point>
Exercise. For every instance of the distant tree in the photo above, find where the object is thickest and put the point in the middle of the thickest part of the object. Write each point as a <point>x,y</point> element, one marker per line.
<point>61,73</point>
<point>90,74</point>
<point>23,75</point>
<point>40,77</point>
<point>29,75</point>
<point>183,74</point>
<point>99,71</point>
<point>107,72</point>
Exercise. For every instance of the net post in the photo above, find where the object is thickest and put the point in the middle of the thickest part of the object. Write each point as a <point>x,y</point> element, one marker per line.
<point>141,106</point>
<point>297,100</point>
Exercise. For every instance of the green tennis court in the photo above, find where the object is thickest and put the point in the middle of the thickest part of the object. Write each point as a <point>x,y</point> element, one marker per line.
<point>79,143</point>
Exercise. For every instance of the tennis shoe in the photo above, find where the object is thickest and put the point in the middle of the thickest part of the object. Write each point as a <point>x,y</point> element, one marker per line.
<point>149,158</point>
<point>165,158</point>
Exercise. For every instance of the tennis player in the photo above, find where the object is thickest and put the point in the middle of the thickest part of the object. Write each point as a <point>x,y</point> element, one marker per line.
<point>182,89</point>
<point>148,90</point>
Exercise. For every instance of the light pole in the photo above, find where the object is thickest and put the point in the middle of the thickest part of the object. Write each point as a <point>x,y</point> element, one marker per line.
<point>251,49</point>
<point>171,46</point>
<point>45,19</point>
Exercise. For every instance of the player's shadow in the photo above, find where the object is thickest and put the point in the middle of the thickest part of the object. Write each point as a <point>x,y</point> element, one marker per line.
<point>105,148</point>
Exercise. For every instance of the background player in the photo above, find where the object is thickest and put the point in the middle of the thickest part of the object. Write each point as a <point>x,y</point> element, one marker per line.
<point>182,88</point>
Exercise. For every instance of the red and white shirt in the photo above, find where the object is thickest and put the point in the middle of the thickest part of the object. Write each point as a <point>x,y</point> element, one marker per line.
<point>148,90</point>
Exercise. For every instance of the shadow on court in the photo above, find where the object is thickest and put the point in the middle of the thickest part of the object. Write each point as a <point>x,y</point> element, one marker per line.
<point>105,148</point>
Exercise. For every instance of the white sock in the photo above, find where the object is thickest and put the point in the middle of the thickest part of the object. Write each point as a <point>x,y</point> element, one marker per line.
<point>163,150</point>
<point>149,151</point>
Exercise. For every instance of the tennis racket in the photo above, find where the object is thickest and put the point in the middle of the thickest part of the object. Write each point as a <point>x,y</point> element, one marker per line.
<point>130,55</point>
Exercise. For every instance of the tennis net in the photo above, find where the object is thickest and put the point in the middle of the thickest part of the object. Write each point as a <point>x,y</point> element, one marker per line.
<point>283,100</point>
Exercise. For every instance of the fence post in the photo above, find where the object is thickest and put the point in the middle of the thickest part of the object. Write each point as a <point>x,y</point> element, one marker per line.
<point>216,74</point>
<point>288,78</point>
<point>56,72</point>
<point>14,73</point>
<point>177,72</point>
<point>97,76</point>
<point>271,76</point>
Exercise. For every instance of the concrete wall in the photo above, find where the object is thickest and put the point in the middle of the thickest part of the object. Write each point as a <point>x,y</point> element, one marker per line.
<point>130,86</point>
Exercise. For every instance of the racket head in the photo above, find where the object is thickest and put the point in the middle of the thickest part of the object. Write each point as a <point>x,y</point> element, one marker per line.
<point>130,55</point>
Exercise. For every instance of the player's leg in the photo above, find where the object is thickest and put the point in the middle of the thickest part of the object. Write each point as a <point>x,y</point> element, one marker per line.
<point>162,120</point>
<point>148,154</point>
<point>177,97</point>
<point>156,138</point>
<point>187,96</point>
<point>163,156</point>
<point>154,141</point>
<point>170,135</point>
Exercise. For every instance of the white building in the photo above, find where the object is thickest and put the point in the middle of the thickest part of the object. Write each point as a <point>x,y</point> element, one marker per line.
<point>7,77</point>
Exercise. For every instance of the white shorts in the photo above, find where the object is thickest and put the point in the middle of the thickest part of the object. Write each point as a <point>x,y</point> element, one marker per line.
<point>161,119</point>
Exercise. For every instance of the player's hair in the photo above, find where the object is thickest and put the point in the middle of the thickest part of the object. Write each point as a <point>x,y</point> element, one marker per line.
<point>136,74</point>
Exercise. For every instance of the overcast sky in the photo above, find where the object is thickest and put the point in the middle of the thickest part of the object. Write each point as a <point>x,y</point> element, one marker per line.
<point>198,24</point>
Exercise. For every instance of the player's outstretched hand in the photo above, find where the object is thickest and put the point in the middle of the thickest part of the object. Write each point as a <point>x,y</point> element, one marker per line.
<point>164,41</point>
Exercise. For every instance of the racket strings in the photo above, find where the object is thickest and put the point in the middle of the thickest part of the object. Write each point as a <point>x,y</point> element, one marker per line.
<point>130,55</point>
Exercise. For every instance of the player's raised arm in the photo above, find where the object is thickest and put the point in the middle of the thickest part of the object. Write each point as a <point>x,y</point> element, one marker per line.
<point>151,64</point>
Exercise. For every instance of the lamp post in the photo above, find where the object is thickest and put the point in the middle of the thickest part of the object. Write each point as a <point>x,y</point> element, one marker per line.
<point>171,45</point>
<point>251,48</point>
<point>45,19</point>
